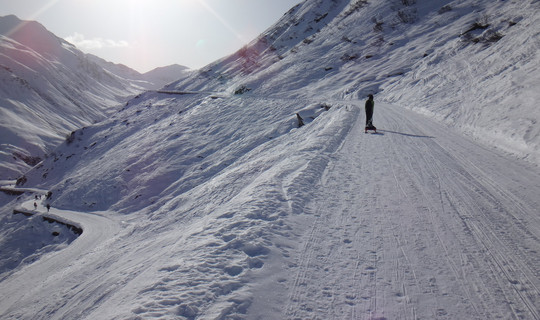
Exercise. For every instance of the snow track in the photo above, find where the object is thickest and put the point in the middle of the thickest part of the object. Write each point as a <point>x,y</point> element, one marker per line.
<point>418,222</point>
<point>320,222</point>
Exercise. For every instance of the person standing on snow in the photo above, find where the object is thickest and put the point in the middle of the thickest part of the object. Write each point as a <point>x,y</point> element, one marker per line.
<point>370,104</point>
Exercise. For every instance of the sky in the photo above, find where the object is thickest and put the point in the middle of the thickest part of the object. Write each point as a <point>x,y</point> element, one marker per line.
<point>146,34</point>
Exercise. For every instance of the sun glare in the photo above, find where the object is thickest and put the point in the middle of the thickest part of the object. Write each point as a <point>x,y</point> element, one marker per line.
<point>45,7</point>
<point>36,14</point>
<point>225,23</point>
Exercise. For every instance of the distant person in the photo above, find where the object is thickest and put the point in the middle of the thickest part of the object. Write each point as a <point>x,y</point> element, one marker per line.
<point>48,207</point>
<point>35,206</point>
<point>370,105</point>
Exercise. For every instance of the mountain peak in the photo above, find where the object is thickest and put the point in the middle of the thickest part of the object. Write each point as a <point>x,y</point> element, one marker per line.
<point>31,34</point>
<point>8,21</point>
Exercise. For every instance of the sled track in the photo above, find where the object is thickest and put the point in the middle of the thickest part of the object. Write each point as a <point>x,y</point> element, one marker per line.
<point>484,208</point>
<point>406,225</point>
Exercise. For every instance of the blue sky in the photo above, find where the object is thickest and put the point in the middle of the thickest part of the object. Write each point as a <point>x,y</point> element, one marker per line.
<point>145,34</point>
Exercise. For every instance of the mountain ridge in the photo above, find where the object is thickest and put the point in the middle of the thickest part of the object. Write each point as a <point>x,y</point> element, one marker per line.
<point>50,88</point>
<point>392,49</point>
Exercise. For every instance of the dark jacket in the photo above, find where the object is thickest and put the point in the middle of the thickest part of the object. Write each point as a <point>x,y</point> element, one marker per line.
<point>370,104</point>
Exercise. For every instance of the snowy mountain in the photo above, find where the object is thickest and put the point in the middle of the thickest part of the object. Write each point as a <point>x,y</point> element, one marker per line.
<point>434,57</point>
<point>208,200</point>
<point>166,75</point>
<point>151,80</point>
<point>50,88</point>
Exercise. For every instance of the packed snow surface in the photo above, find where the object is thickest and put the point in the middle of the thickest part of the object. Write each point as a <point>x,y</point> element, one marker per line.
<point>207,200</point>
<point>318,222</point>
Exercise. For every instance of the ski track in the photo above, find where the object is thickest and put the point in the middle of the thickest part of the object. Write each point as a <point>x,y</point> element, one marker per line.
<point>418,222</point>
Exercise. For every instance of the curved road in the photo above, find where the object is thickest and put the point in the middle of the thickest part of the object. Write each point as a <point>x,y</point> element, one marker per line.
<point>415,222</point>
<point>44,278</point>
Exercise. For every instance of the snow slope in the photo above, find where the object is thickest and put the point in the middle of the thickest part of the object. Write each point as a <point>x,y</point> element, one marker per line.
<point>165,75</point>
<point>49,88</point>
<point>222,208</point>
<point>423,55</point>
<point>318,222</point>
<point>151,80</point>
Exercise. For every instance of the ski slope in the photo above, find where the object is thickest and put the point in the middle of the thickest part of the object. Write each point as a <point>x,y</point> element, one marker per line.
<point>325,222</point>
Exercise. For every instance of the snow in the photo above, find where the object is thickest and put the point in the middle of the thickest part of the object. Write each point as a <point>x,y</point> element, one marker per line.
<point>215,205</point>
<point>411,53</point>
<point>50,88</point>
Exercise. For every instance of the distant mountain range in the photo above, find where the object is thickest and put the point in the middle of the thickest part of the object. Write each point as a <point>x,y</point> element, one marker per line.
<point>49,88</point>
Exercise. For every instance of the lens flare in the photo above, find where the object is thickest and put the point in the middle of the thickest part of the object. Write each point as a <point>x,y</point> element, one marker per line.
<point>34,16</point>
<point>223,21</point>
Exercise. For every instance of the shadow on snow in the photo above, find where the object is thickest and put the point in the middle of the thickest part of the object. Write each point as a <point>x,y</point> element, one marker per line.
<point>407,134</point>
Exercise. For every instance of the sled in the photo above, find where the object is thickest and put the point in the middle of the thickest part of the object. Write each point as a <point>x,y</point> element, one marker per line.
<point>371,128</point>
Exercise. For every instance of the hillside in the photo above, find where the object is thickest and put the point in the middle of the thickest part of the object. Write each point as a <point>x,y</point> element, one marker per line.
<point>471,65</point>
<point>50,88</point>
<point>217,205</point>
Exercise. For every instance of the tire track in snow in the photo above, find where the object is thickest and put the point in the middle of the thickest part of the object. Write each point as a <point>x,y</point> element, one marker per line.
<point>498,250</point>
<point>488,210</point>
<point>350,236</point>
<point>427,211</point>
<point>426,243</point>
<point>476,204</point>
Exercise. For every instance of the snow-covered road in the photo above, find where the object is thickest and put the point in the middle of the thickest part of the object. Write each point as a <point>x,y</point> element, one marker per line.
<point>36,289</point>
<point>324,222</point>
<point>418,222</point>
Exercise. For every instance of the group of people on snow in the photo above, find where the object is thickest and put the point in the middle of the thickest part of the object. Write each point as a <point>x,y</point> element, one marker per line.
<point>38,197</point>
